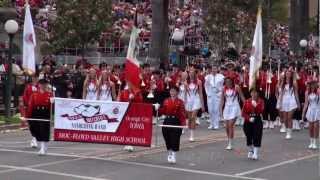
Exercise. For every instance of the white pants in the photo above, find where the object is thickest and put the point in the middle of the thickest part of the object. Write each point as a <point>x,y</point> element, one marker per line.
<point>213,109</point>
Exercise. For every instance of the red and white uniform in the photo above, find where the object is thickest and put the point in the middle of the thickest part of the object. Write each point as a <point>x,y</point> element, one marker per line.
<point>174,107</point>
<point>249,109</point>
<point>92,91</point>
<point>193,101</point>
<point>231,108</point>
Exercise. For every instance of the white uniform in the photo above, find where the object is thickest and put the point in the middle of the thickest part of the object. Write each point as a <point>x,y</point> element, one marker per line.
<point>231,105</point>
<point>92,91</point>
<point>214,87</point>
<point>288,102</point>
<point>192,97</point>
<point>105,93</point>
<point>182,92</point>
<point>313,112</point>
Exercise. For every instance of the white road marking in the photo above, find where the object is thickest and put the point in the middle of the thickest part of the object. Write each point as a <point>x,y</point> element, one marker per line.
<point>51,172</point>
<point>276,165</point>
<point>142,164</point>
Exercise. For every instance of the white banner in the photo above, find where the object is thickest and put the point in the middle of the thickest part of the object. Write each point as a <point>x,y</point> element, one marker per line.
<point>83,115</point>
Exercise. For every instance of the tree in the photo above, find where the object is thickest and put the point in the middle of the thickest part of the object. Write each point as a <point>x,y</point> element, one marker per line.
<point>160,30</point>
<point>228,20</point>
<point>79,23</point>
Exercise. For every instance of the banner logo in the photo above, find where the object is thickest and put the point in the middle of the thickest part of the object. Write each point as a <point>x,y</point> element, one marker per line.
<point>90,114</point>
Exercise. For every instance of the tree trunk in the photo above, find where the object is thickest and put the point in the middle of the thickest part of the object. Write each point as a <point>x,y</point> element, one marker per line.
<point>160,30</point>
<point>294,25</point>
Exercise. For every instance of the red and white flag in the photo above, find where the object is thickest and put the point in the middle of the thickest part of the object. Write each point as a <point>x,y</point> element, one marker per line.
<point>29,43</point>
<point>132,66</point>
<point>256,54</point>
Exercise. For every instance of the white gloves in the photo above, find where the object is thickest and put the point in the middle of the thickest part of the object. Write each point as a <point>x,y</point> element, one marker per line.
<point>51,100</point>
<point>254,103</point>
<point>156,106</point>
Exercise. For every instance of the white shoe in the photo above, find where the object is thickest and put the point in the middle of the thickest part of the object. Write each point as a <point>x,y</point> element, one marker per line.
<point>266,125</point>
<point>255,153</point>
<point>43,148</point>
<point>34,143</point>
<point>216,128</point>
<point>283,129</point>
<point>298,126</point>
<point>229,147</point>
<point>173,158</point>
<point>250,154</point>
<point>271,125</point>
<point>198,121</point>
<point>128,148</point>
<point>169,158</point>
<point>288,135</point>
<point>314,146</point>
<point>255,157</point>
<point>210,127</point>
<point>191,139</point>
<point>310,146</point>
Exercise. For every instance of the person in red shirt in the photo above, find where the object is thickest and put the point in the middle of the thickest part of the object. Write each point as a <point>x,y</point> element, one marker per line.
<point>173,109</point>
<point>39,108</point>
<point>28,91</point>
<point>253,125</point>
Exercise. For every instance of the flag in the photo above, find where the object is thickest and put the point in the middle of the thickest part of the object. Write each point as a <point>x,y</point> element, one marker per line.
<point>256,53</point>
<point>29,43</point>
<point>132,66</point>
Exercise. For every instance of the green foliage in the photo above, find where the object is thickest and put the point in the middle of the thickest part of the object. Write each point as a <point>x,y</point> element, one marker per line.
<point>11,120</point>
<point>280,11</point>
<point>79,22</point>
<point>5,3</point>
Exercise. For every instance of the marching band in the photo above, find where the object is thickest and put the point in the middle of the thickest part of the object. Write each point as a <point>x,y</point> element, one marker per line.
<point>181,94</point>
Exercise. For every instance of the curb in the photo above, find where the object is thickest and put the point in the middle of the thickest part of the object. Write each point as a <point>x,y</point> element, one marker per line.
<point>9,128</point>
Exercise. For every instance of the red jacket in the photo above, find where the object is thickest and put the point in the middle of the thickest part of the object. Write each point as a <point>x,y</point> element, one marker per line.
<point>248,108</point>
<point>174,107</point>
<point>28,91</point>
<point>38,99</point>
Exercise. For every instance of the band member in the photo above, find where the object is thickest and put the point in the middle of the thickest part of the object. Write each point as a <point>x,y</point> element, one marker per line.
<point>230,108</point>
<point>194,101</point>
<point>173,109</point>
<point>90,86</point>
<point>28,91</point>
<point>253,125</point>
<point>311,111</point>
<point>268,91</point>
<point>288,100</point>
<point>39,108</point>
<point>214,87</point>
<point>106,88</point>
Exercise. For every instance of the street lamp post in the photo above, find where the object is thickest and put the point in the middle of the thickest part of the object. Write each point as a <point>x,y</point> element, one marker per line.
<point>11,27</point>
<point>303,44</point>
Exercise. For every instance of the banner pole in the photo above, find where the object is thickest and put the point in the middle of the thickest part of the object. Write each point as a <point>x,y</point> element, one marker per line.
<point>156,131</point>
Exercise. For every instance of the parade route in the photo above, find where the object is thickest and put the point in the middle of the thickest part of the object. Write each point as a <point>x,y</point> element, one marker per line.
<point>204,159</point>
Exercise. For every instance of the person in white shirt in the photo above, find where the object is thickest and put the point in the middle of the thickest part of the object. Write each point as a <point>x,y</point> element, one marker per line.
<point>214,87</point>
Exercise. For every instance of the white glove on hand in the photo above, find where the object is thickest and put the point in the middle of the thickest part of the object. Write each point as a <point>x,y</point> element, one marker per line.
<point>131,96</point>
<point>156,106</point>
<point>254,103</point>
<point>51,100</point>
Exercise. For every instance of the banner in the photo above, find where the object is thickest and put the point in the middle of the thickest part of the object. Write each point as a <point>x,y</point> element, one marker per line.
<point>102,122</point>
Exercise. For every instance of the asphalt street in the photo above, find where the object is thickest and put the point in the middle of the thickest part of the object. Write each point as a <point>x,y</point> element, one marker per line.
<point>203,159</point>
